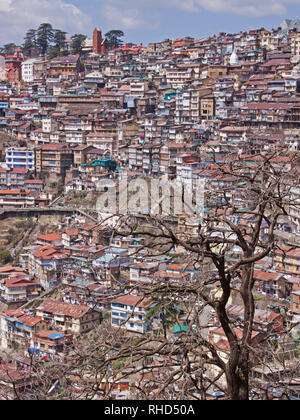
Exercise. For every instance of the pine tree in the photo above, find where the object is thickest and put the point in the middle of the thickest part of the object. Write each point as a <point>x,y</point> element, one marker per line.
<point>44,37</point>
<point>29,42</point>
<point>77,43</point>
<point>113,38</point>
<point>59,40</point>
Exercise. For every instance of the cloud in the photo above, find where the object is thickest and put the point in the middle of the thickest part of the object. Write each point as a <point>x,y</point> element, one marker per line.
<point>129,18</point>
<point>5,5</point>
<point>251,8</point>
<point>17,16</point>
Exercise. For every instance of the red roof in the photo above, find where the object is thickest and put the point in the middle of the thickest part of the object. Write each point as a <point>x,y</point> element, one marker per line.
<point>48,252</point>
<point>74,232</point>
<point>19,282</point>
<point>63,308</point>
<point>14,192</point>
<point>132,300</point>
<point>15,170</point>
<point>30,320</point>
<point>33,181</point>
<point>50,237</point>
<point>54,146</point>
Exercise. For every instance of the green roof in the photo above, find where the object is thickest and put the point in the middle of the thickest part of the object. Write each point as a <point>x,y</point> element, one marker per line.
<point>180,328</point>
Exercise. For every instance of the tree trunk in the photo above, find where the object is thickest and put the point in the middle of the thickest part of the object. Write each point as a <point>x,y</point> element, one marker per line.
<point>237,376</point>
<point>237,387</point>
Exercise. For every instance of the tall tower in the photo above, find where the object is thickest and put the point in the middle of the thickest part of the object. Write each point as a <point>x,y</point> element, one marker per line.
<point>97,41</point>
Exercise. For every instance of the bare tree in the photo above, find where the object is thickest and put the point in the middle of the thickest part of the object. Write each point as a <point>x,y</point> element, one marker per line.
<point>238,231</point>
<point>265,195</point>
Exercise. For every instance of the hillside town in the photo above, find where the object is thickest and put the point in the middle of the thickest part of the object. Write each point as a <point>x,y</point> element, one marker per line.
<point>215,111</point>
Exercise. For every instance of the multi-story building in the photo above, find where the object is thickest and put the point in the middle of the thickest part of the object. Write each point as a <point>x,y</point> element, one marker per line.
<point>64,66</point>
<point>49,125</point>
<point>3,74</point>
<point>50,344</point>
<point>178,78</point>
<point>17,327</point>
<point>295,299</point>
<point>32,334</point>
<point>129,312</point>
<point>287,260</point>
<point>20,158</point>
<point>127,129</point>
<point>140,273</point>
<point>68,317</point>
<point>135,156</point>
<point>18,290</point>
<point>14,178</point>
<point>207,107</point>
<point>138,88</point>
<point>183,105</point>
<point>105,141</point>
<point>16,198</point>
<point>295,43</point>
<point>53,157</point>
<point>75,137</point>
<point>28,67</point>
<point>45,263</point>
<point>13,68</point>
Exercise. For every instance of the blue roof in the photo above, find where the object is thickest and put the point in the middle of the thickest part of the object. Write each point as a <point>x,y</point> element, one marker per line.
<point>55,336</point>
<point>180,328</point>
<point>105,258</point>
<point>78,282</point>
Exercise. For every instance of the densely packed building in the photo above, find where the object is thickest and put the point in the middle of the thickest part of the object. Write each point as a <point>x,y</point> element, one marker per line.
<point>173,111</point>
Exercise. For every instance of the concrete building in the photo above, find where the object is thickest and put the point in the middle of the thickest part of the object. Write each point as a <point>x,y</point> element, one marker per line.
<point>20,158</point>
<point>53,157</point>
<point>68,317</point>
<point>129,312</point>
<point>27,69</point>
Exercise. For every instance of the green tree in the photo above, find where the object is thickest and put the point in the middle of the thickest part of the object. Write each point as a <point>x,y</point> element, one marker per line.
<point>77,43</point>
<point>165,308</point>
<point>44,37</point>
<point>5,256</point>
<point>29,44</point>
<point>59,40</point>
<point>113,38</point>
<point>9,48</point>
<point>53,52</point>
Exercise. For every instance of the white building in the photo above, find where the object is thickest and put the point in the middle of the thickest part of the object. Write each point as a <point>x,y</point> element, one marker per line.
<point>20,158</point>
<point>183,104</point>
<point>129,312</point>
<point>234,60</point>
<point>294,207</point>
<point>28,69</point>
<point>48,125</point>
<point>178,78</point>
<point>138,88</point>
<point>3,72</point>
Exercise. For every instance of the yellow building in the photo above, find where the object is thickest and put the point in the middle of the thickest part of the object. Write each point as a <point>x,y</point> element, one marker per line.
<point>288,260</point>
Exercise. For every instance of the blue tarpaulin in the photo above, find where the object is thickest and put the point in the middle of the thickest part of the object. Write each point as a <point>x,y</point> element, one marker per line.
<point>55,336</point>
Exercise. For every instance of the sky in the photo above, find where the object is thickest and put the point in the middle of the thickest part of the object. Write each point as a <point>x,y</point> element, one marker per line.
<point>143,21</point>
